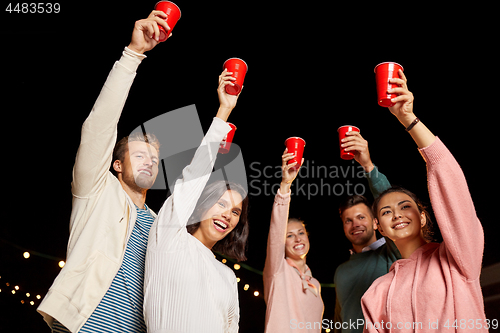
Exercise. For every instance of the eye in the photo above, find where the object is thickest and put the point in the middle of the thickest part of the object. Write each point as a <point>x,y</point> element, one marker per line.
<point>405,206</point>
<point>288,236</point>
<point>155,161</point>
<point>347,221</point>
<point>301,233</point>
<point>361,217</point>
<point>139,156</point>
<point>385,212</point>
<point>236,212</point>
<point>221,204</point>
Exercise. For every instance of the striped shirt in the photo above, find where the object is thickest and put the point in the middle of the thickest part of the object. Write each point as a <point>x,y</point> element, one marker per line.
<point>121,308</point>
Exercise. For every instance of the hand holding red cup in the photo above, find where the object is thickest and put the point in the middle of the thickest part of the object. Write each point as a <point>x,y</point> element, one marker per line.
<point>239,69</point>
<point>384,72</point>
<point>295,145</point>
<point>342,130</point>
<point>173,15</point>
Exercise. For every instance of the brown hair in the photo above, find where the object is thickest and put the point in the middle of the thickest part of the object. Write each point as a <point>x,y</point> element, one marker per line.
<point>427,231</point>
<point>234,245</point>
<point>354,200</point>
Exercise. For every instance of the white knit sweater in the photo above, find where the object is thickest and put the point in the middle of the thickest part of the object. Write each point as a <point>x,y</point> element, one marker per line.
<point>185,288</point>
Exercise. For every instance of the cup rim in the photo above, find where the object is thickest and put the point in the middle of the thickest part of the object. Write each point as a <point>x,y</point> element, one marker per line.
<point>388,62</point>
<point>295,137</point>
<point>235,58</point>
<point>180,12</point>
<point>348,126</point>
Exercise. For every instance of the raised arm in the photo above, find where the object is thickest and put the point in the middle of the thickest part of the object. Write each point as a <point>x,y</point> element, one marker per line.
<point>99,130</point>
<point>451,201</point>
<point>275,257</point>
<point>177,209</point>
<point>376,180</point>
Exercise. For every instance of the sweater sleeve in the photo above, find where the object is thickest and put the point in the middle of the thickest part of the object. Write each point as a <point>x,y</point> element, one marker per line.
<point>275,257</point>
<point>99,130</point>
<point>454,210</point>
<point>177,209</point>
<point>377,182</point>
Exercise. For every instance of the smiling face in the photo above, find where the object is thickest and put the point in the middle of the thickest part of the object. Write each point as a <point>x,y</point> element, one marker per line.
<point>359,226</point>
<point>399,217</point>
<point>220,219</point>
<point>297,241</point>
<point>139,167</point>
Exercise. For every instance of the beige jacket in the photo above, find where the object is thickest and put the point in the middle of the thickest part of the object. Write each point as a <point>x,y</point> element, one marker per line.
<point>103,215</point>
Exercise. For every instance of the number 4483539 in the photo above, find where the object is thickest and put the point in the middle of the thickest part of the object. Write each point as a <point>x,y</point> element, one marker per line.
<point>33,8</point>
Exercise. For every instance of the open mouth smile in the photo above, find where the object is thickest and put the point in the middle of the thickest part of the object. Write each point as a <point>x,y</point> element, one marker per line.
<point>299,247</point>
<point>220,225</point>
<point>400,225</point>
<point>146,172</point>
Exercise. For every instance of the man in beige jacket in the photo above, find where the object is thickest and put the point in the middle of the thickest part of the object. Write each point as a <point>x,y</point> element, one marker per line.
<point>100,287</point>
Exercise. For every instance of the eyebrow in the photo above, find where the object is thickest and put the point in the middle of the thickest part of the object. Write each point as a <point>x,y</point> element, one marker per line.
<point>399,204</point>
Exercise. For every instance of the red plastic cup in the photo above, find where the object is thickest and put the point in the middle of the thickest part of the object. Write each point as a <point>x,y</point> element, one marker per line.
<point>173,15</point>
<point>346,155</point>
<point>295,145</point>
<point>383,72</point>
<point>225,145</point>
<point>239,69</point>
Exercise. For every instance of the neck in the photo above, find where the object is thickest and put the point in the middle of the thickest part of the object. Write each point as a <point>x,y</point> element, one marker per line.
<point>199,236</point>
<point>300,262</point>
<point>359,248</point>
<point>406,248</point>
<point>138,195</point>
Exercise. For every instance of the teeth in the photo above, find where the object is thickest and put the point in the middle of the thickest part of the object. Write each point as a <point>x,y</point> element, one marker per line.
<point>220,224</point>
<point>146,172</point>
<point>400,225</point>
<point>299,247</point>
<point>357,232</point>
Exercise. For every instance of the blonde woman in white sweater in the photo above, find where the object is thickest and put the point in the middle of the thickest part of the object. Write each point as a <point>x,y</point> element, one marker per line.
<point>185,288</point>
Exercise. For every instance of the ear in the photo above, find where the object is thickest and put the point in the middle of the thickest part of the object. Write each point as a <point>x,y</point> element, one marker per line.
<point>375,224</point>
<point>423,219</point>
<point>117,166</point>
<point>379,227</point>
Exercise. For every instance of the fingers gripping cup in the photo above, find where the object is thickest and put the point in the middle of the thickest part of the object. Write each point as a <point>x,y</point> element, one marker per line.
<point>173,15</point>
<point>296,146</point>
<point>239,69</point>
<point>346,155</point>
<point>383,72</point>
<point>225,145</point>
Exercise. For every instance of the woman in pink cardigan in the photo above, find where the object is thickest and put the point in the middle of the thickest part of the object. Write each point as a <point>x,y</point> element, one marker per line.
<point>434,287</point>
<point>292,295</point>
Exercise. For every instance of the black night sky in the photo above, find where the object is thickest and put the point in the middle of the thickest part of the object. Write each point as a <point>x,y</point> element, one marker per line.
<point>310,71</point>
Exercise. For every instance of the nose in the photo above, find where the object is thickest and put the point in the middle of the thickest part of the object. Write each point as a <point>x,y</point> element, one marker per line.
<point>226,214</point>
<point>396,215</point>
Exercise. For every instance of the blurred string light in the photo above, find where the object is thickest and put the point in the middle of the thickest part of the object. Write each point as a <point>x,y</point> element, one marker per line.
<point>31,300</point>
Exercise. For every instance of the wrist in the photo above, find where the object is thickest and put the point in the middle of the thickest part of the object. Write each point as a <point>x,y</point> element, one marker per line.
<point>406,120</point>
<point>224,112</point>
<point>285,187</point>
<point>135,49</point>
<point>368,167</point>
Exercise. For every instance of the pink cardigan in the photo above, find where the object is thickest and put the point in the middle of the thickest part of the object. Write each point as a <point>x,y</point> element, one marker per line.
<point>289,308</point>
<point>436,289</point>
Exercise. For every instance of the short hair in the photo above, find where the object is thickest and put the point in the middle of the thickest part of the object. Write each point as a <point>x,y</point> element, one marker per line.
<point>352,201</point>
<point>234,245</point>
<point>121,146</point>
<point>427,230</point>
